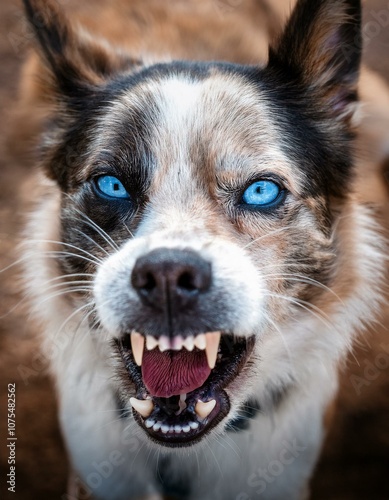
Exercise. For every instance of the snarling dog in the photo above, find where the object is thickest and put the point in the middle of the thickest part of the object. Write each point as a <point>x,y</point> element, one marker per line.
<point>201,254</point>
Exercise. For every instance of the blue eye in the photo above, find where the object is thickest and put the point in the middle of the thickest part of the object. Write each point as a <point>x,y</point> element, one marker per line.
<point>262,194</point>
<point>112,187</point>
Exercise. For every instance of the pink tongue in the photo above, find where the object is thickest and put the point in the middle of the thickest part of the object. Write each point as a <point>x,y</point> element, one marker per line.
<point>172,373</point>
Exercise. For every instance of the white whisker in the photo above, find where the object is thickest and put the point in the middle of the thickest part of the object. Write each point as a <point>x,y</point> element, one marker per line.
<point>86,236</point>
<point>268,235</point>
<point>68,245</point>
<point>306,306</point>
<point>96,227</point>
<point>282,337</point>
<point>305,279</point>
<point>129,231</point>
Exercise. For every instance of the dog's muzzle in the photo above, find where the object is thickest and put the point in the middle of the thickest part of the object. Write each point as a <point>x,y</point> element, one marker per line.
<point>177,355</point>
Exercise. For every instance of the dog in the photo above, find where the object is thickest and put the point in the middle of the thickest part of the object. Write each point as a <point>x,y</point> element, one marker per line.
<point>201,261</point>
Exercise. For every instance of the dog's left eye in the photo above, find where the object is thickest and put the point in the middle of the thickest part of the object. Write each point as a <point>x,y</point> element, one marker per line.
<point>262,194</point>
<point>111,186</point>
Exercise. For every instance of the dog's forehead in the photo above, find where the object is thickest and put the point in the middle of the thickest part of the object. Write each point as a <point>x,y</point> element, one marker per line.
<point>218,102</point>
<point>221,121</point>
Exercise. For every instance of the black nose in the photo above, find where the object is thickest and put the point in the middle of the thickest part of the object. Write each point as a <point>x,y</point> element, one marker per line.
<point>168,278</point>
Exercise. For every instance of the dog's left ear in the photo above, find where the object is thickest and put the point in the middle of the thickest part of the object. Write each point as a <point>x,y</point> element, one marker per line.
<point>321,48</point>
<point>73,62</point>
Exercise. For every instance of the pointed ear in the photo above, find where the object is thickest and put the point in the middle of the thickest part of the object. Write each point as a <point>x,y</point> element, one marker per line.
<point>321,48</point>
<point>75,62</point>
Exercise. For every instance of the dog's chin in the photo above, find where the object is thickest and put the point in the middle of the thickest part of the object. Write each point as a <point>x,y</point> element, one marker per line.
<point>180,420</point>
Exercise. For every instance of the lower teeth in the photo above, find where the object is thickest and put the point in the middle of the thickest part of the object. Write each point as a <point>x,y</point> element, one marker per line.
<point>176,429</point>
<point>145,408</point>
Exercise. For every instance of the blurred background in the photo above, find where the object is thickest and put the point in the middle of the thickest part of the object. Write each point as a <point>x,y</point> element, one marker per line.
<point>355,462</point>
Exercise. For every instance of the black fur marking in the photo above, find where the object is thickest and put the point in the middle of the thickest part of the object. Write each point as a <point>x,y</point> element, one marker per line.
<point>248,411</point>
<point>385,169</point>
<point>321,151</point>
<point>312,78</point>
<point>177,488</point>
<point>252,408</point>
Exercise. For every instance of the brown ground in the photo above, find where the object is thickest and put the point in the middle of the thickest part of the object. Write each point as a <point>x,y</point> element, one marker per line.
<point>355,464</point>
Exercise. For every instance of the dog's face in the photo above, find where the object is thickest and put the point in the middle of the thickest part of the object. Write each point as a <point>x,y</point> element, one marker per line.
<point>201,206</point>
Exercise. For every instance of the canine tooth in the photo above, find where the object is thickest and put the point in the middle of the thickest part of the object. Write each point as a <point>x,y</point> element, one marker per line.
<point>149,423</point>
<point>213,340</point>
<point>151,343</point>
<point>186,428</point>
<point>200,341</point>
<point>204,409</point>
<point>137,345</point>
<point>177,429</point>
<point>189,343</point>
<point>164,343</point>
<point>157,426</point>
<point>193,425</point>
<point>177,343</point>
<point>144,407</point>
<point>165,428</point>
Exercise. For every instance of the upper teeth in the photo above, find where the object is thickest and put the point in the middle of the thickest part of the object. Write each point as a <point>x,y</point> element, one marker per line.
<point>151,343</point>
<point>205,341</point>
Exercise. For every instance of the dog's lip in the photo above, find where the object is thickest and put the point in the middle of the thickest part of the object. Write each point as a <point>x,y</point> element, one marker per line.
<point>235,353</point>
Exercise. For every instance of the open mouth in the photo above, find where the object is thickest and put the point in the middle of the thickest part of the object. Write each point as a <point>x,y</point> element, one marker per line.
<point>180,383</point>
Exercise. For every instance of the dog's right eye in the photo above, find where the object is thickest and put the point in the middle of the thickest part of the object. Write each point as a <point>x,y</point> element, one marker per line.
<point>263,194</point>
<point>111,187</point>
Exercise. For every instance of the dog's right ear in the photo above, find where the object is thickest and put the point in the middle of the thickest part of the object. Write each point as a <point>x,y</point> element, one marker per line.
<point>321,48</point>
<point>75,62</point>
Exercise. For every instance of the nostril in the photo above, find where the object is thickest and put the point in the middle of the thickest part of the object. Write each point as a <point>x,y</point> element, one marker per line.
<point>187,282</point>
<point>143,280</point>
<point>149,283</point>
